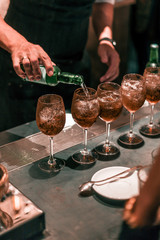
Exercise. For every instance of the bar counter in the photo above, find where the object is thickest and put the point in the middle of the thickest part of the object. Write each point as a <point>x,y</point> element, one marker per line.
<point>68,215</point>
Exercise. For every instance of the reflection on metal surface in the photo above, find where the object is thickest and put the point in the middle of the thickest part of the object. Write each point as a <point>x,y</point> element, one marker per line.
<point>18,211</point>
<point>16,203</point>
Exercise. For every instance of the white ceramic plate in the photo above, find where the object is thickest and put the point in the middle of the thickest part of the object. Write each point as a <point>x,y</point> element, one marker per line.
<point>121,189</point>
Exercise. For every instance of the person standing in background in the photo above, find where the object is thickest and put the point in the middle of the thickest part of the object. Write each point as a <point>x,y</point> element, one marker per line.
<point>36,32</point>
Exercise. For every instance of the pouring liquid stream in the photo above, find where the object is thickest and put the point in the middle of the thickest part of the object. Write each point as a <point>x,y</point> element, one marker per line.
<point>84,87</point>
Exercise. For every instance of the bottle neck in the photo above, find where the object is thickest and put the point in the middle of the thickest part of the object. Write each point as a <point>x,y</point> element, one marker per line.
<point>70,78</point>
<point>154,56</point>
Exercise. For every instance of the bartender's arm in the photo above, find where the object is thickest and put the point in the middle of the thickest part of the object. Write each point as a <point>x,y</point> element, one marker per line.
<point>144,210</point>
<point>24,52</point>
<point>102,17</point>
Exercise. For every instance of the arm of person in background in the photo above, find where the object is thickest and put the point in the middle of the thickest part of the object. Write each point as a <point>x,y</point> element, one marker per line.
<point>144,211</point>
<point>102,17</point>
<point>24,52</point>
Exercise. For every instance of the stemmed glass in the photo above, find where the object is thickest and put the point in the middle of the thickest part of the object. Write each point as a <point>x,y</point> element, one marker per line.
<point>152,78</point>
<point>109,97</point>
<point>133,92</point>
<point>85,110</point>
<point>50,118</point>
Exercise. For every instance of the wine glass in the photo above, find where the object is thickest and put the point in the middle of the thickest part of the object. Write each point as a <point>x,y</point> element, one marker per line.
<point>85,110</point>
<point>133,96</point>
<point>110,100</point>
<point>50,118</point>
<point>152,79</point>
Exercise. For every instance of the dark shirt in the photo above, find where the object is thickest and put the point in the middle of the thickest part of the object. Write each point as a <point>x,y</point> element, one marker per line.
<point>59,26</point>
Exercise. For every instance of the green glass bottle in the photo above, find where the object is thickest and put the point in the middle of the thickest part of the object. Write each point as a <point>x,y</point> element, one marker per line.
<point>58,77</point>
<point>153,56</point>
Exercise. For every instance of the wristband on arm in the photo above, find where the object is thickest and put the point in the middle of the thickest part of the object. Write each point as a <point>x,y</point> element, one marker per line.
<point>108,39</point>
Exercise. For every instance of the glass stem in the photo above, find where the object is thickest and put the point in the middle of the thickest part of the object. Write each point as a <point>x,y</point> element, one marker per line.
<point>131,123</point>
<point>151,115</point>
<point>51,160</point>
<point>107,142</point>
<point>85,141</point>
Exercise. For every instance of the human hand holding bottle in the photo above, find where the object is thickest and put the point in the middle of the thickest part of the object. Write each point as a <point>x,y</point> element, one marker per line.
<point>24,53</point>
<point>30,56</point>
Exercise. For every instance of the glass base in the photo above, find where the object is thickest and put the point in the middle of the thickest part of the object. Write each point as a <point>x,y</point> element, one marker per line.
<point>110,150</point>
<point>82,158</point>
<point>150,130</point>
<point>129,140</point>
<point>56,167</point>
